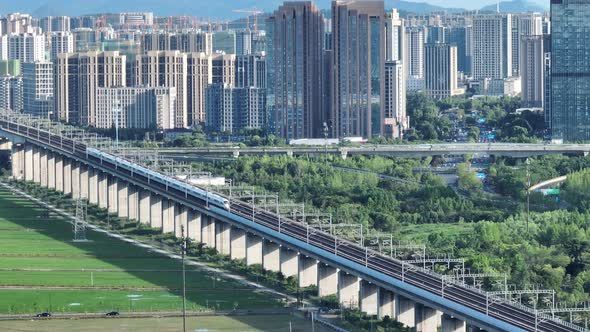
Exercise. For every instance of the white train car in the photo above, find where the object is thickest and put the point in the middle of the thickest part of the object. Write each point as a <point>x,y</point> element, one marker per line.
<point>163,179</point>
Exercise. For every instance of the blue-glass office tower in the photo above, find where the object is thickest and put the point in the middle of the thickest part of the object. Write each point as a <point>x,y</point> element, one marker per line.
<point>358,96</point>
<point>570,70</point>
<point>458,36</point>
<point>295,67</point>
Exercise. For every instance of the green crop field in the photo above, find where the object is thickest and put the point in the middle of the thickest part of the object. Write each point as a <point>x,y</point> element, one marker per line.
<point>209,324</point>
<point>42,269</point>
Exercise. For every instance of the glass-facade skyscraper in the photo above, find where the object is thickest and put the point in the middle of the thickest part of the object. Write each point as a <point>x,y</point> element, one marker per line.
<point>570,70</point>
<point>358,97</point>
<point>295,42</point>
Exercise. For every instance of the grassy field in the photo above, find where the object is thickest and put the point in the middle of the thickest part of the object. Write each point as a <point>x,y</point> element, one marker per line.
<point>201,324</point>
<point>36,254</point>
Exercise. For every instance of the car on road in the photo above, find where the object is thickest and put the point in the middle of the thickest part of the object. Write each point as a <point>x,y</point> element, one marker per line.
<point>43,315</point>
<point>113,313</point>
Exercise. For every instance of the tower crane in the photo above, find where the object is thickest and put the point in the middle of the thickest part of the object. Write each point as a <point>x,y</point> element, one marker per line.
<point>253,12</point>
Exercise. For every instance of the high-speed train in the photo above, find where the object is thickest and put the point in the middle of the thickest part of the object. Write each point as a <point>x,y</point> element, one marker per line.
<point>163,179</point>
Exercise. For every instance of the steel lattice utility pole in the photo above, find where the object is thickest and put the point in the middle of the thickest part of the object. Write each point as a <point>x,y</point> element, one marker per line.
<point>183,249</point>
<point>80,222</point>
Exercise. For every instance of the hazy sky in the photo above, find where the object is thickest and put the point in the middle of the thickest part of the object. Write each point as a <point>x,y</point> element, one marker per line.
<point>213,9</point>
<point>470,4</point>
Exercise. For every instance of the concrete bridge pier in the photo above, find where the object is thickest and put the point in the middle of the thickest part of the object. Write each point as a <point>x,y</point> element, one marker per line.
<point>271,256</point>
<point>145,207</point>
<point>289,262</point>
<point>36,164</point>
<point>308,271</point>
<point>123,193</point>
<point>223,238</point>
<point>103,188</point>
<point>67,176</point>
<point>155,211</point>
<point>133,202</point>
<point>59,172</point>
<point>167,216</point>
<point>253,249</point>
<point>208,231</point>
<point>427,319</point>
<point>238,243</point>
<point>369,298</point>
<point>194,228</point>
<point>113,193</point>
<point>386,303</point>
<point>348,290</point>
<point>180,220</point>
<point>18,161</point>
<point>93,185</point>
<point>83,170</point>
<point>43,172</point>
<point>451,324</point>
<point>28,162</point>
<point>327,280</point>
<point>50,170</point>
<point>75,166</point>
<point>406,311</point>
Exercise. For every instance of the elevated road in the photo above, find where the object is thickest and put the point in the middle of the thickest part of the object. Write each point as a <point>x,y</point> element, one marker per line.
<point>353,264</point>
<point>550,182</point>
<point>405,150</point>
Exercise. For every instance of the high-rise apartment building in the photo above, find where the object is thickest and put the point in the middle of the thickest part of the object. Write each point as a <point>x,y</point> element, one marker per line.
<point>220,108</point>
<point>459,36</point>
<point>136,19</point>
<point>224,41</point>
<point>4,47</point>
<point>492,46</point>
<point>61,42</point>
<point>441,70</point>
<point>414,58</point>
<point>17,23</point>
<point>26,47</point>
<point>10,67</point>
<point>186,41</point>
<point>532,71</point>
<point>359,68</point>
<point>295,39</point>
<point>570,64</point>
<point>166,69</point>
<point>136,107</point>
<point>250,71</point>
<point>11,93</point>
<point>231,109</point>
<point>38,88</point>
<point>395,37</point>
<point>244,42</point>
<point>204,70</point>
<point>198,78</point>
<point>396,120</point>
<point>223,69</point>
<point>55,24</point>
<point>523,25</point>
<point>77,76</point>
<point>437,34</point>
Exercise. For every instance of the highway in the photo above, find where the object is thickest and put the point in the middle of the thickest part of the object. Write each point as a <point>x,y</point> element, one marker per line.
<point>402,150</point>
<point>511,314</point>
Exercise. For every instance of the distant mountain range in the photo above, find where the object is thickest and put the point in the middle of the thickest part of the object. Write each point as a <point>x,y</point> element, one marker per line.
<point>220,9</point>
<point>516,6</point>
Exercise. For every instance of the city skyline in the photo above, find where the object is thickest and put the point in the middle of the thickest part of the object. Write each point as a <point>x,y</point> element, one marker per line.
<point>217,10</point>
